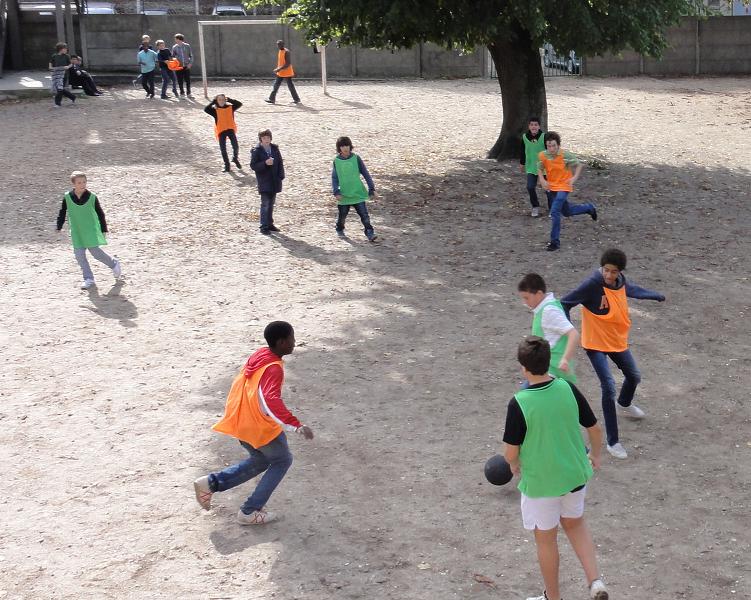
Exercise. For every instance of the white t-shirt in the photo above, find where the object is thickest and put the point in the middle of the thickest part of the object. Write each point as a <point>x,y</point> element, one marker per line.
<point>554,321</point>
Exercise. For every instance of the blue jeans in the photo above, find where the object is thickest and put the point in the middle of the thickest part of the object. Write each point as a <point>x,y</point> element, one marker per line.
<point>627,365</point>
<point>532,189</point>
<point>273,460</point>
<point>267,210</point>
<point>560,206</point>
<point>167,78</point>
<point>96,252</point>
<point>362,211</point>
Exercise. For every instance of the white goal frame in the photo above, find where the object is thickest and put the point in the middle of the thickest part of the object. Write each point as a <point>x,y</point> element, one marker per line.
<point>202,52</point>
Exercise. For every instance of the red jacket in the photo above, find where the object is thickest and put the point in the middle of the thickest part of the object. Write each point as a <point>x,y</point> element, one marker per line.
<point>271,388</point>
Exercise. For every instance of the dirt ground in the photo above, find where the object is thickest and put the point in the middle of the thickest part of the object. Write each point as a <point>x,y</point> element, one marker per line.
<point>406,348</point>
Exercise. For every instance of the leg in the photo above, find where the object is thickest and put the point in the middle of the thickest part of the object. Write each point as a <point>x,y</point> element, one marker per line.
<point>68,95</point>
<point>181,80</point>
<point>550,195</point>
<point>559,199</point>
<point>58,97</point>
<point>241,472</point>
<point>152,75</point>
<point>235,146</point>
<point>275,89</point>
<point>165,80</point>
<point>145,82</point>
<point>186,73</point>
<point>267,210</point>
<point>173,77</point>
<point>272,200</point>
<point>362,211</point>
<point>343,212</point>
<point>223,148</point>
<point>571,210</point>
<point>292,90</point>
<point>599,362</point>
<point>580,538</point>
<point>532,190</point>
<point>83,262</point>
<point>632,377</point>
<point>279,459</point>
<point>548,557</point>
<point>102,256</point>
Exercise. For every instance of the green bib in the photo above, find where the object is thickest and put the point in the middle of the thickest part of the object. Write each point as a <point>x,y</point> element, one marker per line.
<point>553,456</point>
<point>350,185</point>
<point>85,228</point>
<point>531,150</point>
<point>557,351</point>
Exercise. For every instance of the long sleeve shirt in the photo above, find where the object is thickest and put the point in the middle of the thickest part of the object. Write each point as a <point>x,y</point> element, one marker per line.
<point>270,388</point>
<point>590,291</point>
<point>81,201</point>
<point>363,171</point>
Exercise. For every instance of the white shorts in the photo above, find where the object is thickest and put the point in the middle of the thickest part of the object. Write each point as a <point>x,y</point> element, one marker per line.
<point>546,513</point>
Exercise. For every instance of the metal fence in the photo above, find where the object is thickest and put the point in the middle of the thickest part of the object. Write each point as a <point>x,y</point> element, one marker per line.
<point>560,64</point>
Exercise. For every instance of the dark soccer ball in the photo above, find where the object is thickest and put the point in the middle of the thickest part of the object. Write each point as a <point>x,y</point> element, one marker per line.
<point>497,470</point>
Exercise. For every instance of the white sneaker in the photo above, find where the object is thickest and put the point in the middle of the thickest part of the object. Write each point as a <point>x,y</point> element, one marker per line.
<point>617,451</point>
<point>598,591</point>
<point>543,597</point>
<point>633,411</point>
<point>203,492</point>
<point>257,517</point>
<point>87,283</point>
<point>535,211</point>
<point>117,269</point>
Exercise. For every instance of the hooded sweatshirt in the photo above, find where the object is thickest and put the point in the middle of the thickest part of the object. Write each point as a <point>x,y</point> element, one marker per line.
<point>270,388</point>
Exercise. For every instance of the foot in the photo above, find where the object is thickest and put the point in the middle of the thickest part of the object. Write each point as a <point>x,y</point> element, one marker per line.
<point>237,163</point>
<point>135,81</point>
<point>117,269</point>
<point>265,231</point>
<point>297,102</point>
<point>164,97</point>
<point>269,100</point>
<point>372,237</point>
<point>274,228</point>
<point>598,591</point>
<point>340,233</point>
<point>257,517</point>
<point>632,411</point>
<point>543,597</point>
<point>73,100</point>
<point>203,492</point>
<point>226,169</point>
<point>87,283</point>
<point>535,211</point>
<point>191,96</point>
<point>552,247</point>
<point>617,451</point>
<point>593,214</point>
<point>182,93</point>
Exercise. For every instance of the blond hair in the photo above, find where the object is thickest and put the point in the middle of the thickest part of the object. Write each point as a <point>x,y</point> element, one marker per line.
<point>159,42</point>
<point>76,174</point>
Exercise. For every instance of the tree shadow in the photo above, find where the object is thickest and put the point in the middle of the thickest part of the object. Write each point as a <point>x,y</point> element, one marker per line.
<point>113,305</point>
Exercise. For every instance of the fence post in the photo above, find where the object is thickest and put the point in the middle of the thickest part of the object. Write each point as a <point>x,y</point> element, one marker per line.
<point>697,59</point>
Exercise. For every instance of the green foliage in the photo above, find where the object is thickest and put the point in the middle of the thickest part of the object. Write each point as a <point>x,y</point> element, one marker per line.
<point>587,26</point>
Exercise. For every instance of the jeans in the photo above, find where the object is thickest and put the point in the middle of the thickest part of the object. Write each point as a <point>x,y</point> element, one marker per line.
<point>532,189</point>
<point>626,363</point>
<point>229,133</point>
<point>290,86</point>
<point>63,92</point>
<point>362,211</point>
<point>267,210</point>
<point>560,206</point>
<point>147,81</point>
<point>97,253</point>
<point>183,78</point>
<point>273,460</point>
<point>167,77</point>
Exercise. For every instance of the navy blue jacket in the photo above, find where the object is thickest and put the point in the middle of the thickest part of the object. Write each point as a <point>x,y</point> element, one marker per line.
<point>269,178</point>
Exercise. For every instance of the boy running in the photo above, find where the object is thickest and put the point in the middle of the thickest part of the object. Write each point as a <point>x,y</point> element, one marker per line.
<point>348,188</point>
<point>605,327</point>
<point>59,64</point>
<point>533,142</point>
<point>223,108</point>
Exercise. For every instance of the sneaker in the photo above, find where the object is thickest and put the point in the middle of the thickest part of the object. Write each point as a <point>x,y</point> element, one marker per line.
<point>257,517</point>
<point>265,231</point>
<point>543,597</point>
<point>593,214</point>
<point>535,211</point>
<point>165,97</point>
<point>73,100</point>
<point>87,283</point>
<point>274,228</point>
<point>182,93</point>
<point>191,96</point>
<point>237,163</point>
<point>632,411</point>
<point>551,247</point>
<point>203,492</point>
<point>598,591</point>
<point>269,100</point>
<point>226,169</point>
<point>340,233</point>
<point>372,237</point>
<point>117,269</point>
<point>617,451</point>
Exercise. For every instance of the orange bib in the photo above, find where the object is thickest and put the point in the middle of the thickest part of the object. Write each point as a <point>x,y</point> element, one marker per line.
<point>243,417</point>
<point>288,72</point>
<point>225,119</point>
<point>608,332</point>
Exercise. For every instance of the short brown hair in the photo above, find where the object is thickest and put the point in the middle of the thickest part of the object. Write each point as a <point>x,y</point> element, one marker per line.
<point>76,174</point>
<point>534,355</point>
<point>552,136</point>
<point>179,36</point>
<point>264,132</point>
<point>60,45</point>
<point>532,283</point>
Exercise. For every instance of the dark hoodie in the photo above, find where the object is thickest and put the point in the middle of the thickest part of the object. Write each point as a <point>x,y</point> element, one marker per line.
<point>590,292</point>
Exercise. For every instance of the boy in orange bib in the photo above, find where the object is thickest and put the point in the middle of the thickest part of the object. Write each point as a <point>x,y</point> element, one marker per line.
<point>256,415</point>
<point>223,108</point>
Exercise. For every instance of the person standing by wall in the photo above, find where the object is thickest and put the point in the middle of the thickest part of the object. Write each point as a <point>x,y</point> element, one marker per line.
<point>182,52</point>
<point>283,72</point>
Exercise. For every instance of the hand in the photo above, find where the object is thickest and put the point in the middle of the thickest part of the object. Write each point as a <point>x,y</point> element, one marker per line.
<point>544,184</point>
<point>661,299</point>
<point>305,431</point>
<point>516,468</point>
<point>275,71</point>
<point>338,197</point>
<point>269,161</point>
<point>563,365</point>
<point>372,194</point>
<point>522,168</point>
<point>595,460</point>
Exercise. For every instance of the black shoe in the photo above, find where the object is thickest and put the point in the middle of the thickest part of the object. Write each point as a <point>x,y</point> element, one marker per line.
<point>164,97</point>
<point>269,100</point>
<point>551,247</point>
<point>297,102</point>
<point>226,169</point>
<point>237,163</point>
<point>274,228</point>
<point>594,214</point>
<point>265,231</point>
<point>182,93</point>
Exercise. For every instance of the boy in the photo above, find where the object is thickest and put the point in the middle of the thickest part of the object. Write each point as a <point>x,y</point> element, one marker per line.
<point>87,228</point>
<point>182,52</point>
<point>80,78</point>
<point>544,444</point>
<point>266,160</point>
<point>605,328</point>
<point>550,323</point>
<point>145,45</point>
<point>554,170</point>
<point>348,188</point>
<point>223,108</point>
<point>256,415</point>
<point>147,60</point>
<point>59,65</point>
<point>283,72</point>
<point>533,142</point>
<point>163,55</point>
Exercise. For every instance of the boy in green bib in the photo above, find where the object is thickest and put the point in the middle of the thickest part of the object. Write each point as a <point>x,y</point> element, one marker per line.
<point>544,445</point>
<point>87,228</point>
<point>348,187</point>
<point>533,142</point>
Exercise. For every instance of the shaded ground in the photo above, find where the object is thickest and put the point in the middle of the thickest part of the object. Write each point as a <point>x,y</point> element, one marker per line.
<point>406,357</point>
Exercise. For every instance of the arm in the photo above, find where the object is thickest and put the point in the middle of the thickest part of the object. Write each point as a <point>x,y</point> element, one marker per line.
<point>640,293</point>
<point>595,444</point>
<point>513,435</point>
<point>364,172</point>
<point>511,454</point>
<point>588,420</point>
<point>257,160</point>
<point>209,109</point>
<point>270,394</point>
<point>280,161</point>
<point>555,323</point>
<point>235,104</point>
<point>541,176</point>
<point>588,291</point>
<point>61,215</point>
<point>335,182</point>
<point>100,214</point>
<point>577,172</point>
<point>572,343</point>
<point>523,155</point>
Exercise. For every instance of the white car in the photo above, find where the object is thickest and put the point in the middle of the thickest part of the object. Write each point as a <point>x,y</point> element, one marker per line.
<point>229,10</point>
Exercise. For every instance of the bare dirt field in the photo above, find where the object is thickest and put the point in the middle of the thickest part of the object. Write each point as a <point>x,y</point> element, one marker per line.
<point>405,362</point>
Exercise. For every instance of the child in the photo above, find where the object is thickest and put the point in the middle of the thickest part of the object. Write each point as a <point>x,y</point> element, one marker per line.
<point>182,52</point>
<point>223,108</point>
<point>59,65</point>
<point>267,162</point>
<point>544,444</point>
<point>533,143</point>
<point>164,54</point>
<point>80,78</point>
<point>348,189</point>
<point>605,327</point>
<point>147,59</point>
<point>87,228</point>
<point>550,323</point>
<point>553,169</point>
<point>145,45</point>
<point>256,415</point>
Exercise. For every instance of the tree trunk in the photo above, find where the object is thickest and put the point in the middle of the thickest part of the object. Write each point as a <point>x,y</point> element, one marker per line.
<point>517,62</point>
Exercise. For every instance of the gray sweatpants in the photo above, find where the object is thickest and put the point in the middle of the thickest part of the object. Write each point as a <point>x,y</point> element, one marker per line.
<point>97,253</point>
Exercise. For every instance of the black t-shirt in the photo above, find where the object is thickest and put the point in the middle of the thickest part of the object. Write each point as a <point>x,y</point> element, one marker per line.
<point>516,426</point>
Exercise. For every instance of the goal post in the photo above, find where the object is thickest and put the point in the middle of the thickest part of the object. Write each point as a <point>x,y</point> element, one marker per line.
<point>202,50</point>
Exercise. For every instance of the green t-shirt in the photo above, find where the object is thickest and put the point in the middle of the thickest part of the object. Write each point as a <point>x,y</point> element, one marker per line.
<point>60,60</point>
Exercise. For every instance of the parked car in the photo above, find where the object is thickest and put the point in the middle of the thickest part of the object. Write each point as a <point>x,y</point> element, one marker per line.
<point>570,62</point>
<point>155,11</point>
<point>229,10</point>
<point>99,8</point>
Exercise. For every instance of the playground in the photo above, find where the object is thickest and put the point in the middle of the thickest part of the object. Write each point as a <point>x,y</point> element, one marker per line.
<point>406,348</point>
